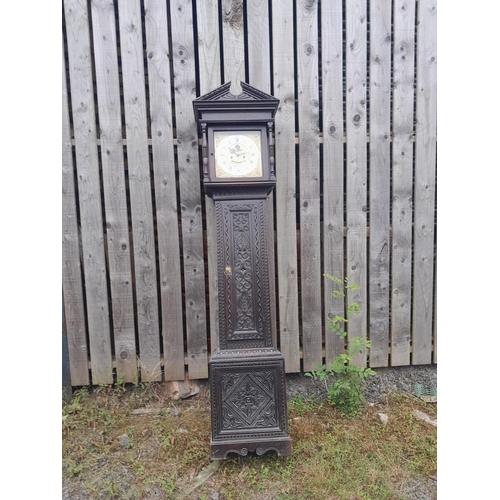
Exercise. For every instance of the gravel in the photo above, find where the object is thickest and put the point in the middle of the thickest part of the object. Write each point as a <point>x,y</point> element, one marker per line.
<point>401,379</point>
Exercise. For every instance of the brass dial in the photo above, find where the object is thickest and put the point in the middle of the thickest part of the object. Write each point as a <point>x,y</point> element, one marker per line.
<point>238,154</point>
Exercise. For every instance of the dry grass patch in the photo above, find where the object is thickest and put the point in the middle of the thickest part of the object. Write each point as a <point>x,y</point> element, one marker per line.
<point>109,451</point>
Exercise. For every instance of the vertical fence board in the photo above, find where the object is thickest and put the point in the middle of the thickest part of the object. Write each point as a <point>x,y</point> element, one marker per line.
<point>259,76</point>
<point>169,264</point>
<point>113,174</point>
<point>402,180</point>
<point>309,183</point>
<point>286,234</point>
<point>87,164</point>
<point>207,14</point>
<point>140,188</point>
<point>71,267</point>
<point>233,43</point>
<point>258,36</point>
<point>189,185</point>
<point>356,155</point>
<point>425,172</point>
<point>380,180</point>
<point>333,167</point>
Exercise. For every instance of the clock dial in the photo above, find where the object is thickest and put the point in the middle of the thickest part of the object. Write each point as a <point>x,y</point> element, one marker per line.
<point>238,154</point>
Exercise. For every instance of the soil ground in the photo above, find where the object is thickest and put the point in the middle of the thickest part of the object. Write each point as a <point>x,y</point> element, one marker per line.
<point>401,380</point>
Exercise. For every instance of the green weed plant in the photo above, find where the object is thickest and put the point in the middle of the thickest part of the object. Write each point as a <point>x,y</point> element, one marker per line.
<point>346,390</point>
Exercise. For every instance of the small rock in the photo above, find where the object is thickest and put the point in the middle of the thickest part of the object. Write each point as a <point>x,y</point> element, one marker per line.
<point>124,440</point>
<point>182,431</point>
<point>182,389</point>
<point>422,416</point>
<point>383,418</point>
<point>214,496</point>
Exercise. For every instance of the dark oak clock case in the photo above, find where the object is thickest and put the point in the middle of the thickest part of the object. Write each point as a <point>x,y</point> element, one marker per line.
<point>247,373</point>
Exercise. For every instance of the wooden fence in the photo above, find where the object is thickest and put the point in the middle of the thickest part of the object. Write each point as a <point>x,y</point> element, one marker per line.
<point>355,161</point>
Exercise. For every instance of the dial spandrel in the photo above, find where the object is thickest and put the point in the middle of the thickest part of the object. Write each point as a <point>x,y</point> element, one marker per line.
<point>238,154</point>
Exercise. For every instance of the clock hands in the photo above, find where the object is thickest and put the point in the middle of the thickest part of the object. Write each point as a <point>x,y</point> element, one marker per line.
<point>237,151</point>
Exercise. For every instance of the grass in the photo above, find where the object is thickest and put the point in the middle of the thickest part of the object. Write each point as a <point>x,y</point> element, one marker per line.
<point>333,457</point>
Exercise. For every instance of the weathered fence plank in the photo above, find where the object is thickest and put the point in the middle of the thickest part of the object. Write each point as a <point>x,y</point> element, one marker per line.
<point>71,267</point>
<point>309,183</point>
<point>259,70</point>
<point>89,193</point>
<point>114,188</point>
<point>162,138</point>
<point>402,180</point>
<point>189,186</point>
<point>233,43</point>
<point>380,180</point>
<point>333,167</point>
<point>140,188</point>
<point>207,14</point>
<point>258,36</point>
<point>425,175</point>
<point>286,234</point>
<point>356,167</point>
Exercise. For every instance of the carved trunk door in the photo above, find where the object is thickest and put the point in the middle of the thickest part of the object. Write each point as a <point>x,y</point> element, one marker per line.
<point>244,306</point>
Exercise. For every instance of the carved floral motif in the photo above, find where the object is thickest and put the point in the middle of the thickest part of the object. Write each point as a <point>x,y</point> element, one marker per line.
<point>248,400</point>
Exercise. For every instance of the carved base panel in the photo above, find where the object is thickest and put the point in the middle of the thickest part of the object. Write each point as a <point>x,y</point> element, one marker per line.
<point>248,402</point>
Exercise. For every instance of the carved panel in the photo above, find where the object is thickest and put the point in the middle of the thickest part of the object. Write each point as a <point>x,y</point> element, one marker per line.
<point>244,305</point>
<point>247,400</point>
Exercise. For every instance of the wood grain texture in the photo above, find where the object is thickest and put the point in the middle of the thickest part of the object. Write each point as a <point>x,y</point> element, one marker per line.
<point>73,299</point>
<point>259,76</point>
<point>258,36</point>
<point>286,234</point>
<point>380,180</point>
<point>89,195</point>
<point>207,14</point>
<point>189,185</point>
<point>114,188</point>
<point>425,184</point>
<point>309,183</point>
<point>160,104</point>
<point>333,167</point>
<point>356,174</point>
<point>233,36</point>
<point>140,188</point>
<point>402,180</point>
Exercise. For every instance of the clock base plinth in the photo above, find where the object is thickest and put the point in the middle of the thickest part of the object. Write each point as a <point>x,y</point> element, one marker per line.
<point>219,450</point>
<point>248,402</point>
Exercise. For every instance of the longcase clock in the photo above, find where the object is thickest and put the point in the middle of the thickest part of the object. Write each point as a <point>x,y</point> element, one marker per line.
<point>247,372</point>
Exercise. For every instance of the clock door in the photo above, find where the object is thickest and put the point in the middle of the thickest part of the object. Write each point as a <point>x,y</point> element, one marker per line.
<point>244,308</point>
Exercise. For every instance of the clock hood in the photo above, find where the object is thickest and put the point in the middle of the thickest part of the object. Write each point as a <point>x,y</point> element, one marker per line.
<point>221,102</point>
